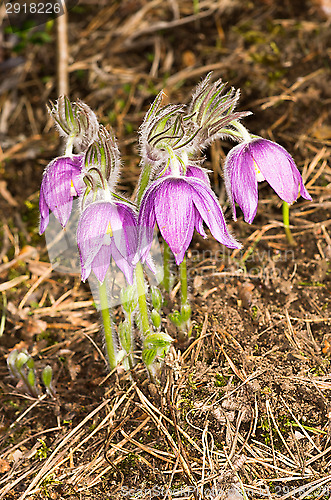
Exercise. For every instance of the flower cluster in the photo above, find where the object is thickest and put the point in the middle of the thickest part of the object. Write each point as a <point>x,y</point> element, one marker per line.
<point>174,192</point>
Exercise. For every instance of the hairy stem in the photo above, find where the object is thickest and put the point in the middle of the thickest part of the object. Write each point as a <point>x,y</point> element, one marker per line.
<point>130,354</point>
<point>246,136</point>
<point>166,267</point>
<point>106,319</point>
<point>183,282</point>
<point>286,220</point>
<point>141,292</point>
<point>144,179</point>
<point>70,143</point>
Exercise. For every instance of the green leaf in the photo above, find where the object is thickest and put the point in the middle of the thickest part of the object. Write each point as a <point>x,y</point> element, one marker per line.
<point>148,356</point>
<point>176,318</point>
<point>46,376</point>
<point>155,340</point>
<point>31,378</point>
<point>125,336</point>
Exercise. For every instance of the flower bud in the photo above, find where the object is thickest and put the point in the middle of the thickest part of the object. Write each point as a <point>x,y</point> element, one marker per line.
<point>11,363</point>
<point>186,312</point>
<point>125,335</point>
<point>21,360</point>
<point>103,154</point>
<point>46,376</point>
<point>32,379</point>
<point>156,297</point>
<point>176,318</point>
<point>75,120</point>
<point>212,110</point>
<point>156,318</point>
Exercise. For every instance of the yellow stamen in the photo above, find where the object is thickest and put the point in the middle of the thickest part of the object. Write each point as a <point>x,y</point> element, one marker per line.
<point>259,176</point>
<point>73,191</point>
<point>109,230</point>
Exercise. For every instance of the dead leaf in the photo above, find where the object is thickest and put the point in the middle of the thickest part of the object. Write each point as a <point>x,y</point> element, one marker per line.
<point>245,295</point>
<point>4,466</point>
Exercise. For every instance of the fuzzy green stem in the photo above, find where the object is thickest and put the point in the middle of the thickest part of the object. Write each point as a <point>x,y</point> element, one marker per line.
<point>106,319</point>
<point>141,292</point>
<point>166,267</point>
<point>130,354</point>
<point>286,221</point>
<point>144,179</point>
<point>246,136</point>
<point>183,281</point>
<point>69,145</point>
<point>185,308</point>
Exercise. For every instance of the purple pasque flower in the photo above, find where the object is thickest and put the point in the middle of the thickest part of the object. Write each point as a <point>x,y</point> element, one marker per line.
<point>257,160</point>
<point>107,229</point>
<point>178,205</point>
<point>61,182</point>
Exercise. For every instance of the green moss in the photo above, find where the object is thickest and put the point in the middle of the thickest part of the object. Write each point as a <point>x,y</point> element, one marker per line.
<point>220,380</point>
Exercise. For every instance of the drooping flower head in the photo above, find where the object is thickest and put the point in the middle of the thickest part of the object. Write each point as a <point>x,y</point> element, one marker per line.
<point>62,181</point>
<point>179,205</point>
<point>257,160</point>
<point>107,229</point>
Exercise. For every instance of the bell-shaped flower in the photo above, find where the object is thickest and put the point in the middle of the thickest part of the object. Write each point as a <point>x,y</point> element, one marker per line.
<point>178,205</point>
<point>107,229</point>
<point>257,160</point>
<point>62,181</point>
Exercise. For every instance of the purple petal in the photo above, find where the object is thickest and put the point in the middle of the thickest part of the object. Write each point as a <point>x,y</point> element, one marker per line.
<point>175,215</point>
<point>125,232</point>
<point>85,270</point>
<point>91,231</point>
<point>150,263</point>
<point>207,205</point>
<point>101,262</point>
<point>56,186</point>
<point>199,224</point>
<point>278,168</point>
<point>146,223</point>
<point>302,190</point>
<point>240,181</point>
<point>77,161</point>
<point>199,173</point>
<point>44,212</point>
<point>101,234</point>
<point>122,264</point>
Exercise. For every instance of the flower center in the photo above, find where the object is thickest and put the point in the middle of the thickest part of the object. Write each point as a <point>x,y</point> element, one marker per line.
<point>108,235</point>
<point>259,176</point>
<point>109,230</point>
<point>73,191</point>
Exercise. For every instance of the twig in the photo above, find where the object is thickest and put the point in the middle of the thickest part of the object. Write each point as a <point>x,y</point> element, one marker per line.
<point>62,51</point>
